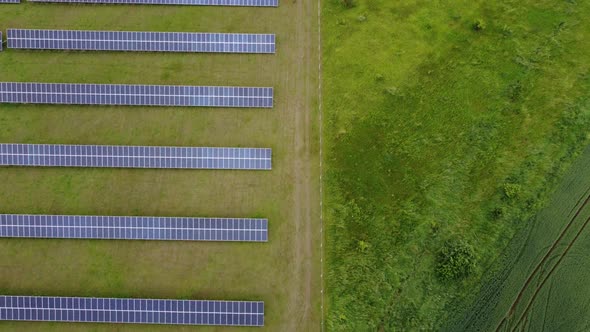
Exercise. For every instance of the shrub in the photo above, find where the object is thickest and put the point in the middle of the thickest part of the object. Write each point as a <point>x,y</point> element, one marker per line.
<point>479,25</point>
<point>498,212</point>
<point>347,3</point>
<point>512,190</point>
<point>514,91</point>
<point>393,91</point>
<point>455,261</point>
<point>506,31</point>
<point>363,246</point>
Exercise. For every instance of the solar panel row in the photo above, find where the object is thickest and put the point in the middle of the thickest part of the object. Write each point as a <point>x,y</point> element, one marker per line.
<point>140,41</point>
<point>142,311</point>
<point>9,1</point>
<point>247,3</point>
<point>146,95</point>
<point>134,228</point>
<point>134,156</point>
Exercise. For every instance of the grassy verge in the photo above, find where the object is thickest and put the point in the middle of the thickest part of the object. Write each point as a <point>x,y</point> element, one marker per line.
<point>271,272</point>
<point>444,122</point>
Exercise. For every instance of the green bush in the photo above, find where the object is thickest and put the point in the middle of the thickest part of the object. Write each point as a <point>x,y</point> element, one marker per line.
<point>455,260</point>
<point>347,3</point>
<point>512,190</point>
<point>479,25</point>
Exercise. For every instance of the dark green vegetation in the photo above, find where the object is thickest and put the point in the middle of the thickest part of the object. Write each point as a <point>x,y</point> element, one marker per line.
<point>445,121</point>
<point>284,272</point>
<point>542,280</point>
<point>455,260</point>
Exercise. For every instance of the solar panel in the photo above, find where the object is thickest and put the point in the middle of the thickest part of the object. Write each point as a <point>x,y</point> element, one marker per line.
<point>139,95</point>
<point>140,41</point>
<point>118,156</point>
<point>246,3</point>
<point>136,311</point>
<point>133,228</point>
<point>9,1</point>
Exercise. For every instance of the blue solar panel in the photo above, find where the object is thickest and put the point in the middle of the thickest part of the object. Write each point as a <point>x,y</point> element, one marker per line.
<point>134,228</point>
<point>9,1</point>
<point>140,41</point>
<point>134,156</point>
<point>247,3</point>
<point>141,95</point>
<point>135,311</point>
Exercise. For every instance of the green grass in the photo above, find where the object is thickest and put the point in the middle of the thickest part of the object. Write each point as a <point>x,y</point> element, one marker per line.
<point>556,297</point>
<point>435,132</point>
<point>271,272</point>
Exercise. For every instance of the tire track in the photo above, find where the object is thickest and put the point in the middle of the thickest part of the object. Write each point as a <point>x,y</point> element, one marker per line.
<point>540,264</point>
<point>587,192</point>
<point>546,308</point>
<point>538,289</point>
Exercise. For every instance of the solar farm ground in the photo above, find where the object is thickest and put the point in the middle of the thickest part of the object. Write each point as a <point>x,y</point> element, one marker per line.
<point>284,272</point>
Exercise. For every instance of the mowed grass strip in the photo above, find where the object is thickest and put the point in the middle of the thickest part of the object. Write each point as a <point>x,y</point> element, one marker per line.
<point>444,123</point>
<point>268,272</point>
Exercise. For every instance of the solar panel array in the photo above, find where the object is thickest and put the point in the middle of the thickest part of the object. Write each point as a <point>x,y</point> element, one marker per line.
<point>12,154</point>
<point>140,41</point>
<point>146,95</point>
<point>133,228</point>
<point>246,3</point>
<point>138,311</point>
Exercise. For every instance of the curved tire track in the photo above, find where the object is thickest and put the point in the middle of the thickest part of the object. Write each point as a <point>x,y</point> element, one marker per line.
<point>541,263</point>
<point>538,289</point>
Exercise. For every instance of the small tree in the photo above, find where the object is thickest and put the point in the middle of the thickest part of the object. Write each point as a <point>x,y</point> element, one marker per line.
<point>455,260</point>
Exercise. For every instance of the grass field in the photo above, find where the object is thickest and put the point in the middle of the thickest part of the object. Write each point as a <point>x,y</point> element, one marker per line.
<point>284,273</point>
<point>541,285</point>
<point>445,122</point>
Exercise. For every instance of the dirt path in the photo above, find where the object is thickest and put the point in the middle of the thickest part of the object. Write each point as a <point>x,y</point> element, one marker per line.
<point>304,160</point>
